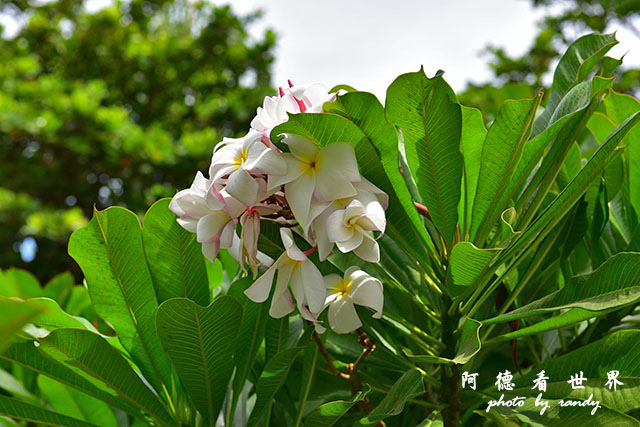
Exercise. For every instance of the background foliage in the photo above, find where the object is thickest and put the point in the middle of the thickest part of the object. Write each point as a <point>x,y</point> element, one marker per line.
<point>115,107</point>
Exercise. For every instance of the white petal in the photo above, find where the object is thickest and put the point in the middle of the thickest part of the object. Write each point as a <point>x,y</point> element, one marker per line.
<point>337,231</point>
<point>293,170</point>
<point>290,247</point>
<point>226,237</point>
<point>343,317</point>
<point>259,290</point>
<point>341,157</point>
<point>298,194</point>
<point>210,250</point>
<point>189,224</point>
<point>368,250</point>
<point>314,286</point>
<point>265,160</point>
<point>332,185</point>
<point>322,238</point>
<point>301,148</point>
<point>243,187</point>
<point>350,244</point>
<point>210,226</point>
<point>369,294</point>
<point>213,199</point>
<point>281,305</point>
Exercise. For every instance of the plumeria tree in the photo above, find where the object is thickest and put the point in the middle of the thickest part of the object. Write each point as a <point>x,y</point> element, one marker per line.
<point>349,263</point>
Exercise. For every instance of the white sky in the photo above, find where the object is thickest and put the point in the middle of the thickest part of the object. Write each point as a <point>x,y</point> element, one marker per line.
<point>367,43</point>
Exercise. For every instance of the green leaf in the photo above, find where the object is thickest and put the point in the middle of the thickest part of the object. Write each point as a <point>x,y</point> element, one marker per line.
<point>501,154</point>
<point>28,356</point>
<point>619,351</point>
<point>59,288</point>
<point>200,342</point>
<point>175,258</point>
<point>276,336</point>
<point>27,412</point>
<point>250,336</point>
<point>554,213</point>
<point>14,387</point>
<point>577,62</point>
<point>615,283</point>
<point>328,414</point>
<point>14,314</point>
<point>408,385</point>
<point>310,360</point>
<point>68,401</point>
<point>110,253</point>
<point>469,343</point>
<point>431,121</point>
<point>19,283</point>
<point>467,261</point>
<point>367,113</point>
<point>473,136</point>
<point>91,357</point>
<point>273,377</point>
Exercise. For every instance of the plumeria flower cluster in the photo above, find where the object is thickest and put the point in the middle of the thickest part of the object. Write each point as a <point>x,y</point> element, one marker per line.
<point>315,193</point>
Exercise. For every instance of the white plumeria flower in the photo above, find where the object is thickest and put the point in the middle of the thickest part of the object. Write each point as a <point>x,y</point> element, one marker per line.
<point>324,174</point>
<point>357,287</point>
<point>193,203</point>
<point>216,229</point>
<point>300,273</point>
<point>297,99</point>
<point>350,228</point>
<point>367,193</point>
<point>240,159</point>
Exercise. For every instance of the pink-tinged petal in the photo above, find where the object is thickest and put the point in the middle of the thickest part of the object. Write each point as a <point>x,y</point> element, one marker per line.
<point>314,286</point>
<point>332,185</point>
<point>368,250</point>
<point>298,195</point>
<point>301,148</point>
<point>174,206</point>
<point>232,207</point>
<point>226,237</point>
<point>343,317</point>
<point>210,226</point>
<point>210,250</point>
<point>262,159</point>
<point>369,294</point>
<point>214,199</point>
<point>336,229</point>
<point>340,157</point>
<point>242,187</point>
<point>259,290</point>
<point>349,245</point>
<point>293,171</point>
<point>218,172</point>
<point>281,305</point>
<point>290,247</point>
<point>189,224</point>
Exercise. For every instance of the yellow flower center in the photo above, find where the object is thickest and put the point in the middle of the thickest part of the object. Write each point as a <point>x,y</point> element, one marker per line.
<point>342,288</point>
<point>241,157</point>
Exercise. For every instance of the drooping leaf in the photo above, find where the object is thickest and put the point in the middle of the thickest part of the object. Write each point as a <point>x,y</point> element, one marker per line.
<point>501,154</point>
<point>200,342</point>
<point>175,258</point>
<point>110,253</point>
<point>27,412</point>
<point>328,414</point>
<point>91,357</point>
<point>614,284</point>
<point>14,314</point>
<point>73,403</point>
<point>273,377</point>
<point>408,385</point>
<point>427,112</point>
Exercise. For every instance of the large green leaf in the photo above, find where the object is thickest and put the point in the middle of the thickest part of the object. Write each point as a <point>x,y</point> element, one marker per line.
<point>577,62</point>
<point>501,154</point>
<point>26,355</point>
<point>408,385</point>
<point>328,414</point>
<point>175,257</point>
<point>427,112</point>
<point>473,136</point>
<point>250,336</point>
<point>273,377</point>
<point>615,283</point>
<point>14,314</point>
<point>19,283</point>
<point>200,342</point>
<point>466,263</point>
<point>68,401</point>
<point>27,412</point>
<point>110,252</point>
<point>617,352</point>
<point>366,112</point>
<point>91,357</point>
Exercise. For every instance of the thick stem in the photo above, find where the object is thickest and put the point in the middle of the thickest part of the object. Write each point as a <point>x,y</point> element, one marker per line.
<point>450,378</point>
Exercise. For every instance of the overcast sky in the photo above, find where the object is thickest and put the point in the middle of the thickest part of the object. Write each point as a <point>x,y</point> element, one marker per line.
<point>367,43</point>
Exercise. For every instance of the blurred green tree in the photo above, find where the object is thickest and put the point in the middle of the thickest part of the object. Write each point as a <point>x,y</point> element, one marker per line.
<point>565,20</point>
<point>118,106</point>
